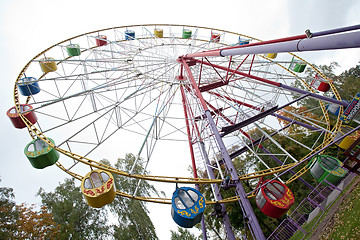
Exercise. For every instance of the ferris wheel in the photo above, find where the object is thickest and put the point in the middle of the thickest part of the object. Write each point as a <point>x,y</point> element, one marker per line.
<point>140,89</point>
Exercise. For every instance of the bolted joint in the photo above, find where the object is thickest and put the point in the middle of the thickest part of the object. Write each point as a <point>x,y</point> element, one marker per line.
<point>189,61</point>
<point>228,183</point>
<point>218,210</point>
<point>308,33</point>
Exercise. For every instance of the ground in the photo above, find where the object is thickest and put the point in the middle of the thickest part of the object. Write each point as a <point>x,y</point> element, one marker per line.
<point>330,222</point>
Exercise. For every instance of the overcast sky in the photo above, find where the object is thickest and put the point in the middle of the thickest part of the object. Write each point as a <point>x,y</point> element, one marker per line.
<point>28,27</point>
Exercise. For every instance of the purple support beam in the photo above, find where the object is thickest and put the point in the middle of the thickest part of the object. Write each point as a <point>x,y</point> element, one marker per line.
<point>298,123</point>
<point>291,171</point>
<point>229,129</point>
<point>245,203</point>
<point>226,220</point>
<point>203,227</point>
<point>314,95</point>
<point>273,83</point>
<point>336,30</point>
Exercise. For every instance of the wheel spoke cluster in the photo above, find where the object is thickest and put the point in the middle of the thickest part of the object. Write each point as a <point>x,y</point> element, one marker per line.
<point>125,96</point>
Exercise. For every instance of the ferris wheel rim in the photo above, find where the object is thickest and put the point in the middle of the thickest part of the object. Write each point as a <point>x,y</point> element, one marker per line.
<point>38,133</point>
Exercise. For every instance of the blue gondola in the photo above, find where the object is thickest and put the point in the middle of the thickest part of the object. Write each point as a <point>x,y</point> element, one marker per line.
<point>334,108</point>
<point>243,41</point>
<point>28,86</point>
<point>129,35</point>
<point>188,206</point>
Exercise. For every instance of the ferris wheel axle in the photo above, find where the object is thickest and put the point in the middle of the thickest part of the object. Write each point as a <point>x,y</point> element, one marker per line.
<point>324,40</point>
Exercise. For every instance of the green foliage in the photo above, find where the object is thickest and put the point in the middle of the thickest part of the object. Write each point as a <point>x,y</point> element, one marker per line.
<point>8,213</point>
<point>133,218</point>
<point>77,220</point>
<point>244,165</point>
<point>327,70</point>
<point>248,163</point>
<point>182,234</point>
<point>311,103</point>
<point>348,83</point>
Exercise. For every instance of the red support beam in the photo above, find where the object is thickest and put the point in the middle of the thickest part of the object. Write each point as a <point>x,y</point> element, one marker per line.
<point>241,73</point>
<point>239,65</point>
<point>212,86</point>
<point>252,62</point>
<point>193,82</point>
<point>188,132</point>
<point>216,52</point>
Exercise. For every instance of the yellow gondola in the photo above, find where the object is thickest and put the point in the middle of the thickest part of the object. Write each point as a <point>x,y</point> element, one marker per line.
<point>159,32</point>
<point>346,142</point>
<point>48,65</point>
<point>271,55</point>
<point>98,188</point>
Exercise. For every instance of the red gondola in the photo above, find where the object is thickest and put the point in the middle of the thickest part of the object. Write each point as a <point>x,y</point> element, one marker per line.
<point>26,112</point>
<point>320,84</point>
<point>101,40</point>
<point>274,198</point>
<point>215,37</point>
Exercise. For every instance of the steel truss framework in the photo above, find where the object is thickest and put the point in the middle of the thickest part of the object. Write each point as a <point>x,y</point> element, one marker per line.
<point>150,89</point>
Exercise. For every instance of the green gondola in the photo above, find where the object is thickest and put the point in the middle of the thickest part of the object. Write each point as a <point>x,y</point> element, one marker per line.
<point>327,167</point>
<point>41,154</point>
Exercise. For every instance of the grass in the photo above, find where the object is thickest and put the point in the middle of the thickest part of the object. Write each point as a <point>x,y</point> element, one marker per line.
<point>307,227</point>
<point>345,223</point>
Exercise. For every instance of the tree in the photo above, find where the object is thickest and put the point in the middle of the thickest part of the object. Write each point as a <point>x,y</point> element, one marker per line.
<point>214,221</point>
<point>134,221</point>
<point>77,220</point>
<point>312,104</point>
<point>344,83</point>
<point>182,234</point>
<point>8,213</point>
<point>246,163</point>
<point>35,225</point>
<point>347,83</point>
<point>307,107</point>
